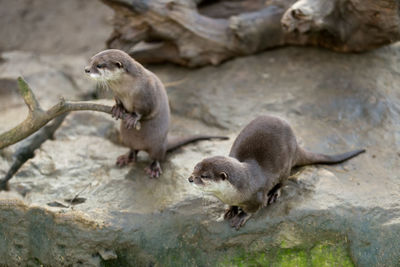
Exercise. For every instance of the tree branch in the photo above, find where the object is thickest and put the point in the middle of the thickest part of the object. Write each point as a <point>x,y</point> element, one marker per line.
<point>37,117</point>
<point>29,97</point>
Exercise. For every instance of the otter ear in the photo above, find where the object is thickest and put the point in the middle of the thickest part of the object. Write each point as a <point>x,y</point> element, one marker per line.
<point>118,64</point>
<point>223,175</point>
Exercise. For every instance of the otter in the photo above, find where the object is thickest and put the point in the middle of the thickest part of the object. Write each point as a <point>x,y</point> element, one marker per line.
<point>258,164</point>
<point>141,102</point>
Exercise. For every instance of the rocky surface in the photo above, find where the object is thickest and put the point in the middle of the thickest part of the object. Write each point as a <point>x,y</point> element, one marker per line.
<point>341,215</point>
<point>46,26</point>
<point>345,214</point>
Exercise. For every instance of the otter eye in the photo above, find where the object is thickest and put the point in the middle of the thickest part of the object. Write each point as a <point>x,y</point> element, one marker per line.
<point>203,176</point>
<point>119,65</point>
<point>223,175</point>
<point>99,66</point>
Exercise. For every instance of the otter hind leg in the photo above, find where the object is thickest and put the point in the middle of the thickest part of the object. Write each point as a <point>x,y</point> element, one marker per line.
<point>125,159</point>
<point>240,219</point>
<point>154,170</point>
<point>157,154</point>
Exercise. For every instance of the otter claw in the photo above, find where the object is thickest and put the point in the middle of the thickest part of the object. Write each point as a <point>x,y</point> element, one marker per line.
<point>138,125</point>
<point>231,212</point>
<point>154,170</point>
<point>239,220</point>
<point>117,111</point>
<point>153,173</point>
<point>274,196</point>
<point>132,121</point>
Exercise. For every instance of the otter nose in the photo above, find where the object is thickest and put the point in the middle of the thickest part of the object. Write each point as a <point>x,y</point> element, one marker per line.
<point>87,69</point>
<point>190,179</point>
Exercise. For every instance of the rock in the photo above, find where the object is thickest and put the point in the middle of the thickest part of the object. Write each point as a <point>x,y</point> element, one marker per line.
<point>68,27</point>
<point>108,254</point>
<point>328,215</point>
<point>50,76</point>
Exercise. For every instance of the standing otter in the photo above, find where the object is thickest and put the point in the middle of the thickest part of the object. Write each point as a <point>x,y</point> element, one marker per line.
<point>259,163</point>
<point>142,103</point>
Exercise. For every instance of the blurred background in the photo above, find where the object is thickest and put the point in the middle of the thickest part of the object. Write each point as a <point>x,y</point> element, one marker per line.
<point>53,27</point>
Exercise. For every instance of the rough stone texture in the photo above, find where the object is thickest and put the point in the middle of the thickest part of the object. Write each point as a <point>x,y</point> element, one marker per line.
<point>49,26</point>
<point>334,102</point>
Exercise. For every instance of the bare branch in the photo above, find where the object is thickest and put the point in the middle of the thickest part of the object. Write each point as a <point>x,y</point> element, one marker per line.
<point>37,118</point>
<point>29,97</point>
<point>28,146</point>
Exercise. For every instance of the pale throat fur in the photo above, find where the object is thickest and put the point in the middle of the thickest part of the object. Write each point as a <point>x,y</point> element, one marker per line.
<point>224,190</point>
<point>117,80</point>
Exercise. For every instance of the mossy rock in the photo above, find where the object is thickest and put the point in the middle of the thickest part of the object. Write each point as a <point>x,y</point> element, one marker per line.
<point>324,254</point>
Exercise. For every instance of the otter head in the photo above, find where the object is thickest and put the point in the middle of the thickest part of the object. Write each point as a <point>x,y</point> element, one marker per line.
<point>219,176</point>
<point>108,65</point>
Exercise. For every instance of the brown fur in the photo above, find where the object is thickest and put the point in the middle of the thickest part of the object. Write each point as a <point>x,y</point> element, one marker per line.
<point>140,94</point>
<point>259,162</point>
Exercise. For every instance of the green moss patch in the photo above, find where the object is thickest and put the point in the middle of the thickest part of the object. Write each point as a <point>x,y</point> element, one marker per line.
<point>324,254</point>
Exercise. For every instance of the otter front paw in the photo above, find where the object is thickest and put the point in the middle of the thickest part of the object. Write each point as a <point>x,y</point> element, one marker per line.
<point>231,212</point>
<point>132,120</point>
<point>117,111</point>
<point>154,170</point>
<point>273,196</point>
<point>239,220</point>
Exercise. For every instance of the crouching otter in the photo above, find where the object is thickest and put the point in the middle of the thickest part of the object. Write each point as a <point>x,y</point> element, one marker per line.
<point>258,164</point>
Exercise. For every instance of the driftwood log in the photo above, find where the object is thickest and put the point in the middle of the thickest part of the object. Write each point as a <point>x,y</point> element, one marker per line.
<point>200,32</point>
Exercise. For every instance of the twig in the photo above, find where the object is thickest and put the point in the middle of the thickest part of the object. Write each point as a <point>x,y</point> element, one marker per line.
<point>77,195</point>
<point>71,202</point>
<point>175,83</point>
<point>37,117</point>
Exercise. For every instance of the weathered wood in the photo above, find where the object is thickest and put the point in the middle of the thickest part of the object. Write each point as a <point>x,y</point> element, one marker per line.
<point>37,117</point>
<point>343,25</point>
<point>195,33</point>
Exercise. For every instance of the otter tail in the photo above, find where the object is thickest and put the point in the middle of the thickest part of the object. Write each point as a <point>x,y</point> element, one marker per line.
<point>305,157</point>
<point>176,142</point>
